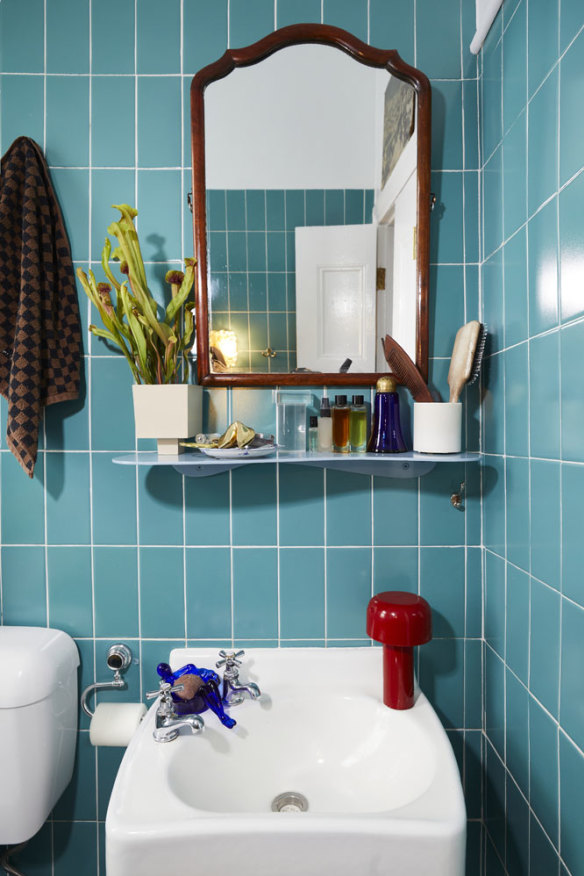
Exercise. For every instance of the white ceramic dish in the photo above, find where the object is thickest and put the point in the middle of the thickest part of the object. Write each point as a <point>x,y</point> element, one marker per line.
<point>238,452</point>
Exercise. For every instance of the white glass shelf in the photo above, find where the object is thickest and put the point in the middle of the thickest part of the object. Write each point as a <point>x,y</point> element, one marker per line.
<point>399,465</point>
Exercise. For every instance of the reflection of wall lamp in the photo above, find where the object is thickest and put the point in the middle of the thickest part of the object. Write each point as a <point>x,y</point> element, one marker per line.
<point>223,344</point>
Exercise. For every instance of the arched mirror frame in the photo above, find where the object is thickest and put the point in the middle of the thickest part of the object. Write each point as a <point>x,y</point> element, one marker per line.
<point>292,35</point>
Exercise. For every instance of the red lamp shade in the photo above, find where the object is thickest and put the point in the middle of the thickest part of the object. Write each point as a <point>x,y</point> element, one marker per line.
<point>399,621</point>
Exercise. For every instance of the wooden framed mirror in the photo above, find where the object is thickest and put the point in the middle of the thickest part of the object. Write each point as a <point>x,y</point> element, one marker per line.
<point>311,208</point>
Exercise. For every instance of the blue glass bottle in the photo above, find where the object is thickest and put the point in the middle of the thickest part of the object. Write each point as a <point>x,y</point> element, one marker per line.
<point>386,435</point>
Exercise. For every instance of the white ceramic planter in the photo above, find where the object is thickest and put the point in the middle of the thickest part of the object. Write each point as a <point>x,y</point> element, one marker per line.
<point>437,427</point>
<point>169,413</point>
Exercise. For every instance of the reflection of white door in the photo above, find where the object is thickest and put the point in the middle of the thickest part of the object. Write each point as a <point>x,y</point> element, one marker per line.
<point>335,296</point>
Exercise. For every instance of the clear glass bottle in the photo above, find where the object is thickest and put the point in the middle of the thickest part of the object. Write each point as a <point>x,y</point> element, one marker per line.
<point>325,427</point>
<point>341,425</point>
<point>313,435</point>
<point>386,435</point>
<point>358,425</point>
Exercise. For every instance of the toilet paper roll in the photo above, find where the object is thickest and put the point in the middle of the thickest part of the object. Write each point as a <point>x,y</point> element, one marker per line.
<point>115,723</point>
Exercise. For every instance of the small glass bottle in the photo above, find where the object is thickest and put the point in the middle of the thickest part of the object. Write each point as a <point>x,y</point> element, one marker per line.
<point>313,435</point>
<point>325,427</point>
<point>358,425</point>
<point>341,425</point>
<point>386,436</point>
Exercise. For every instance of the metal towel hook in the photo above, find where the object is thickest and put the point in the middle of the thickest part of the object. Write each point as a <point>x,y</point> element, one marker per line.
<point>457,499</point>
<point>119,658</point>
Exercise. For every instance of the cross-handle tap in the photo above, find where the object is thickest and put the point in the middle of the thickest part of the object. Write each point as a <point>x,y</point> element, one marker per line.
<point>233,692</point>
<point>168,723</point>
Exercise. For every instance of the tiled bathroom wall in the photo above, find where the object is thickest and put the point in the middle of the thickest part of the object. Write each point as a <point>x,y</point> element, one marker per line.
<point>254,557</point>
<point>533,283</point>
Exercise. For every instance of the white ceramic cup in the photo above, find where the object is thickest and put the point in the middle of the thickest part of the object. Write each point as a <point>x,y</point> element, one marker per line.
<point>437,427</point>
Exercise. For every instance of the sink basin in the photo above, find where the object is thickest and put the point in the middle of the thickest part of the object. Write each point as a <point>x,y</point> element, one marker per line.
<point>381,787</point>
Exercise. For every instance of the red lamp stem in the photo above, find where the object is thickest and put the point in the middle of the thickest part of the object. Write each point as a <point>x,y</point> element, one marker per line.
<point>398,677</point>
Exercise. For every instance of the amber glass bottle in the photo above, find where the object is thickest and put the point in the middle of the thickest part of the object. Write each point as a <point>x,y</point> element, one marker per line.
<point>341,425</point>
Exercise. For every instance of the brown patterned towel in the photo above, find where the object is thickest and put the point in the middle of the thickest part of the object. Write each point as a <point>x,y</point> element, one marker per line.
<point>40,331</point>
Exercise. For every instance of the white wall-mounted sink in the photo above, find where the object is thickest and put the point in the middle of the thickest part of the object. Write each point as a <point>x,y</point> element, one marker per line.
<point>383,789</point>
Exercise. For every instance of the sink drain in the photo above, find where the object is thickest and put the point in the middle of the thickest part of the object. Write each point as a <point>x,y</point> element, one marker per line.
<point>290,801</point>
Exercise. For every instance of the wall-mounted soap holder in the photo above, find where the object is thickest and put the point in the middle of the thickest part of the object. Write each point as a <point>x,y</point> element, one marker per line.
<point>119,658</point>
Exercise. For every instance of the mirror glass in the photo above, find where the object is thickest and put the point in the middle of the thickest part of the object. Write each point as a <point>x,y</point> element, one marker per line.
<point>311,215</point>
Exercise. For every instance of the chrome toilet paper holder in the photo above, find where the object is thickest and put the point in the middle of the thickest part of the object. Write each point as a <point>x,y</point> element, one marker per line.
<point>118,659</point>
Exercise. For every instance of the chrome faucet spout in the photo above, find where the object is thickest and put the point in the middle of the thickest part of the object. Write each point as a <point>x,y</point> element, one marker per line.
<point>169,727</point>
<point>233,692</point>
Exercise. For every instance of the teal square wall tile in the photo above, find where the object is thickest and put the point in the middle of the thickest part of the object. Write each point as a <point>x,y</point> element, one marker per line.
<point>208,583</point>
<point>158,48</point>
<point>543,768</point>
<point>442,584</point>
<point>302,593</point>
<point>249,21</point>
<point>67,423</point>
<point>203,45</point>
<point>68,499</point>
<point>495,603</point>
<point>572,684</point>
<point>441,678</point>
<point>112,422</point>
<point>276,291</point>
<point>276,250</point>
<point>517,840</point>
<point>256,251</point>
<point>258,334</point>
<point>491,90</point>
<point>70,590</point>
<point>216,207</point>
<point>334,208</point>
<point>67,132</point>
<point>159,222</point>
<point>545,522</point>
<point>355,207</point>
<point>217,245</point>
<point>276,209</point>
<point>515,66</point>
<point>207,510</point>
<point>446,307</point>
<point>494,504</point>
<point>278,327</point>
<point>255,210</point>
<point>78,802</point>
<point>73,842</point>
<point>515,277</point>
<point>572,542</point>
<point>348,591</point>
<point>108,92</point>
<point>315,207</point>
<point>151,654</point>
<point>116,591</point>
<point>542,853</point>
<point>23,508</point>
<point>236,250</point>
<point>471,188</point>
<point>571,248</point>
<point>542,239</point>
<point>351,15</point>
<point>494,682</point>
<point>473,694</point>
<point>438,39</point>
<point>474,846</point>
<point>67,36</point>
<point>110,44</point>
<point>108,762</point>
<point>447,126</point>
<point>571,783</point>
<point>19,18</point>
<point>493,202</point>
<point>108,187</point>
<point>446,218</point>
<point>392,26</point>
<point>542,37</point>
<point>441,524</point>
<point>517,400</point>
<point>301,505</point>
<point>255,593</point>
<point>544,646</point>
<point>348,508</point>
<point>295,207</point>
<point>572,406</point>
<point>162,593</point>
<point>474,594</point>
<point>571,123</point>
<point>254,515</point>
<point>257,291</point>
<point>571,20</point>
<point>23,586</point>
<point>114,501</point>
<point>395,511</point>
<point>72,190</point>
<point>517,731</point>
<point>517,498</point>
<point>542,143</point>
<point>544,419</point>
<point>471,130</point>
<point>236,210</point>
<point>238,291</point>
<point>494,811</point>
<point>298,11</point>
<point>160,503</point>
<point>395,568</point>
<point>514,176</point>
<point>22,104</point>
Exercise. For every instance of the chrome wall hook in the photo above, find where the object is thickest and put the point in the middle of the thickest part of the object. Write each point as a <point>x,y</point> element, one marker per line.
<point>119,658</point>
<point>457,499</point>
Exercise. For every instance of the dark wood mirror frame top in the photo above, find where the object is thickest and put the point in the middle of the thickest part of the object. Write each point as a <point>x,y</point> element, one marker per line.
<point>298,34</point>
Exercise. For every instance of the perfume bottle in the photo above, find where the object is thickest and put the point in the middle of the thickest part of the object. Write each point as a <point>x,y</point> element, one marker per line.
<point>386,435</point>
<point>358,425</point>
<point>313,435</point>
<point>341,425</point>
<point>325,427</point>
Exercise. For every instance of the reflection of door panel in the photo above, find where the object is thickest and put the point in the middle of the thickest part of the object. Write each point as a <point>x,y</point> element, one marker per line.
<point>404,267</point>
<point>335,296</point>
